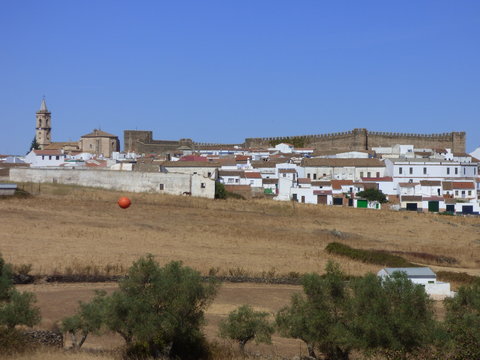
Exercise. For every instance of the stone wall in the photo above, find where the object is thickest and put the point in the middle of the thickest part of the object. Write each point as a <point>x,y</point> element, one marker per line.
<point>362,139</point>
<point>134,181</point>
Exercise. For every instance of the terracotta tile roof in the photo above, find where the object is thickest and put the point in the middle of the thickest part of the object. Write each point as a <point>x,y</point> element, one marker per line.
<point>447,185</point>
<point>268,164</point>
<point>407,184</point>
<point>242,158</point>
<point>430,183</point>
<point>193,158</point>
<point>433,198</point>
<point>98,133</point>
<point>287,171</point>
<point>385,178</point>
<point>337,184</point>
<point>326,162</point>
<point>304,181</point>
<point>321,183</point>
<point>47,152</point>
<point>270,181</point>
<point>411,198</point>
<point>253,175</point>
<point>463,185</point>
<point>60,145</point>
<point>226,161</point>
<point>190,164</point>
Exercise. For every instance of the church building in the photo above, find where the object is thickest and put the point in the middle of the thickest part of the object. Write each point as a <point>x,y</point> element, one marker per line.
<point>98,142</point>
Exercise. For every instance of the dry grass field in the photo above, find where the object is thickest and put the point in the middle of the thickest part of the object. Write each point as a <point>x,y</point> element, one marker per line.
<point>57,301</point>
<point>69,230</point>
<point>66,229</point>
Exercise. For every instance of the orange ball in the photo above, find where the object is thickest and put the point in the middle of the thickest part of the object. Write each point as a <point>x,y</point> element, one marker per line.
<point>124,202</point>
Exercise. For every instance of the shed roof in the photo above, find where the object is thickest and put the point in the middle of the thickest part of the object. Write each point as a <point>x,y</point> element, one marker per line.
<point>413,272</point>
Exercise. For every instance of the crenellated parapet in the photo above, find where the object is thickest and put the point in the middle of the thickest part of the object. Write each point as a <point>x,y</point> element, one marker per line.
<point>356,139</point>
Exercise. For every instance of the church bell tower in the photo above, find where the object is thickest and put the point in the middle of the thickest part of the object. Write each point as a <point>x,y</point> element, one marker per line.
<point>43,127</point>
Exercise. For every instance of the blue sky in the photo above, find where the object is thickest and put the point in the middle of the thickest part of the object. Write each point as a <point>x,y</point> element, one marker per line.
<point>220,71</point>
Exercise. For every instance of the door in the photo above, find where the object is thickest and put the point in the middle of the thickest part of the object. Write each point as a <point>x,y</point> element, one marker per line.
<point>467,209</point>
<point>303,199</point>
<point>337,201</point>
<point>322,199</point>
<point>412,206</point>
<point>362,204</point>
<point>433,206</point>
<point>451,208</point>
<point>350,202</point>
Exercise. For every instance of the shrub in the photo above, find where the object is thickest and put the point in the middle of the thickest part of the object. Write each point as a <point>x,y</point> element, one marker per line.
<point>368,256</point>
<point>245,324</point>
<point>169,300</point>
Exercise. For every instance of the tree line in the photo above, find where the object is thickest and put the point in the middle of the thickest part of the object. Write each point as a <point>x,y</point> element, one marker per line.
<point>159,312</point>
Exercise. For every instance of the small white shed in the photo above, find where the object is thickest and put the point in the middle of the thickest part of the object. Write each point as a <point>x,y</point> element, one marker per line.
<point>423,276</point>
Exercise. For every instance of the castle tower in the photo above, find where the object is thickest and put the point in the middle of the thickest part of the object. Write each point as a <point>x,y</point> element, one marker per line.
<point>43,126</point>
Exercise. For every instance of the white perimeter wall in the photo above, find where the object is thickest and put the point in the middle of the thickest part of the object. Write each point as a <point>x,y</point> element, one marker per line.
<point>175,184</point>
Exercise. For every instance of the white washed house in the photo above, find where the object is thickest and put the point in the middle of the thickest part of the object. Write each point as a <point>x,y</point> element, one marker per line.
<point>41,158</point>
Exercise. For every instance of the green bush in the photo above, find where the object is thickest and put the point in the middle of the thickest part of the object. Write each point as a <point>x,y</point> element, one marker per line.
<point>245,324</point>
<point>376,257</point>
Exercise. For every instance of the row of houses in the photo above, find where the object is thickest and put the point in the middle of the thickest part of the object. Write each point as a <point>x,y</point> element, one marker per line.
<point>416,179</point>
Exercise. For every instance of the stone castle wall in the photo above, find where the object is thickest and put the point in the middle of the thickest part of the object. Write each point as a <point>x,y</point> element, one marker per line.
<point>362,139</point>
<point>356,139</point>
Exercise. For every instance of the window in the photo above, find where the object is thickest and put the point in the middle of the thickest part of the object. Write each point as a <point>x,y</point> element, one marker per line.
<point>369,174</point>
<point>474,171</point>
<point>448,171</point>
<point>294,197</point>
<point>361,174</point>
<point>438,192</point>
<point>424,171</point>
<point>463,193</point>
<point>237,180</point>
<point>230,180</point>
<point>57,157</point>
<point>378,174</point>
<point>209,174</point>
<point>43,157</point>
<point>314,176</point>
<point>351,189</point>
<point>431,282</point>
<point>469,192</point>
<point>308,175</point>
<point>456,171</point>
<point>456,192</point>
<point>324,175</point>
<point>410,171</point>
<point>284,175</point>
<point>203,185</point>
<point>400,171</point>
<point>251,182</point>
<point>464,170</point>
<point>50,157</point>
<point>161,186</point>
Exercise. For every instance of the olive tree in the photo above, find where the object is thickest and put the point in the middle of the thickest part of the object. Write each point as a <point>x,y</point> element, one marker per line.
<point>16,308</point>
<point>89,319</point>
<point>245,324</point>
<point>321,316</point>
<point>160,309</point>
<point>463,322</point>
